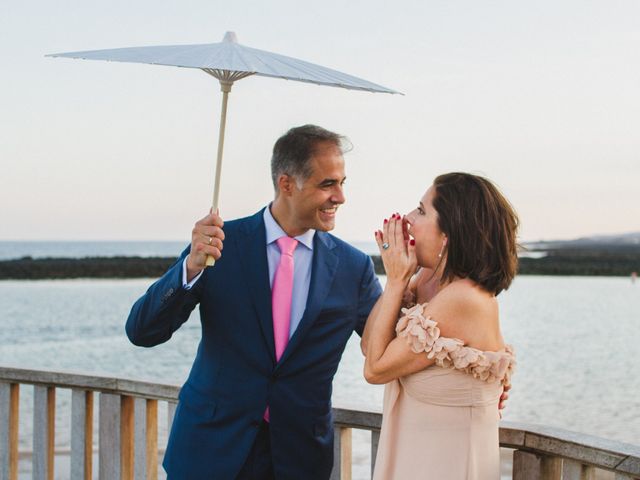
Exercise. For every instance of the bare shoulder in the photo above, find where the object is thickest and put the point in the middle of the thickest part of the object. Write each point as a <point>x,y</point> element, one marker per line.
<point>464,310</point>
<point>464,296</point>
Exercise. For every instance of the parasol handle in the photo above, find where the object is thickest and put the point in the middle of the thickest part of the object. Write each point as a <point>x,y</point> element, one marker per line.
<point>226,88</point>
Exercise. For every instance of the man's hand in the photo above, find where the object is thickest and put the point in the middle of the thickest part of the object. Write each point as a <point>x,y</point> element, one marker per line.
<point>206,239</point>
<point>503,398</point>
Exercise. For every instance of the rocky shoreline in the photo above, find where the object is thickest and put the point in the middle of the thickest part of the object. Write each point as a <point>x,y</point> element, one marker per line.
<point>28,268</point>
<point>561,262</point>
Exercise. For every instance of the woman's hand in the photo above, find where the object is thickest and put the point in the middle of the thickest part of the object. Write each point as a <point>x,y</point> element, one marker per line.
<point>397,251</point>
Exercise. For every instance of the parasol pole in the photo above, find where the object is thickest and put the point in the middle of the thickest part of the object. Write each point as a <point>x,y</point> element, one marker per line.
<point>225,87</point>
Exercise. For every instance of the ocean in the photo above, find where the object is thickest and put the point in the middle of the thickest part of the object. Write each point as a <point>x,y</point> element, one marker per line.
<point>12,249</point>
<point>576,340</point>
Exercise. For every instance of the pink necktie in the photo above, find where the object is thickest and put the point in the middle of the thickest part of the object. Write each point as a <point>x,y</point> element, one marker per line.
<point>281,293</point>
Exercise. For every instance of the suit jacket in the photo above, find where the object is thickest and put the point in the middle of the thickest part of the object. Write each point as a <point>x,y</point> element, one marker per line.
<point>235,375</point>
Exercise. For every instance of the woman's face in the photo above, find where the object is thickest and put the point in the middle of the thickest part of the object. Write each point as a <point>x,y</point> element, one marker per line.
<point>423,228</point>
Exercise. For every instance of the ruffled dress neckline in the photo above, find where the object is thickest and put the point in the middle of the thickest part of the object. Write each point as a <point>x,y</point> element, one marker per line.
<point>423,335</point>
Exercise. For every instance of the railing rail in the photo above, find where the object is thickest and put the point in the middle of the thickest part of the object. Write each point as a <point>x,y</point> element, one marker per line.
<point>128,433</point>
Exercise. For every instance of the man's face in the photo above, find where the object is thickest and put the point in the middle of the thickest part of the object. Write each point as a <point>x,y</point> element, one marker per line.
<point>315,205</point>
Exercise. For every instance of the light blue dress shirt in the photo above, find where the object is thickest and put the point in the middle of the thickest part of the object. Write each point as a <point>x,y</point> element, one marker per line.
<point>302,258</point>
<point>302,261</point>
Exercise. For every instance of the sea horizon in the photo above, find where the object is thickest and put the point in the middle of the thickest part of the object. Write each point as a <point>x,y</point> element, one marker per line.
<point>16,249</point>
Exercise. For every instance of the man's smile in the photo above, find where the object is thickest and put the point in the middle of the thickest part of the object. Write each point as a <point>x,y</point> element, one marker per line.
<point>330,212</point>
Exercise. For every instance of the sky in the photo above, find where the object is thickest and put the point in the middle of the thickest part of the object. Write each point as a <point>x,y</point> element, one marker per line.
<point>541,97</point>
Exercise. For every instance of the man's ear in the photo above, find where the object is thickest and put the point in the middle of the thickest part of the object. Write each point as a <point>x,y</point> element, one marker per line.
<point>286,184</point>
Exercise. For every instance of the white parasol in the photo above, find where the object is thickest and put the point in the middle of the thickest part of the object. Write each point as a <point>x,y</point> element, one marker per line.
<point>229,61</point>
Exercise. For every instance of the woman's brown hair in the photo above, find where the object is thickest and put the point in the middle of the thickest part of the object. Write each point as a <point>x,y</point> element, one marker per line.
<point>481,226</point>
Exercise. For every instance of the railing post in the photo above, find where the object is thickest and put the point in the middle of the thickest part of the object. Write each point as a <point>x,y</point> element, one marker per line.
<point>375,439</point>
<point>572,470</point>
<point>126,437</point>
<point>529,466</point>
<point>82,434</point>
<point>526,466</point>
<point>152,439</point>
<point>44,409</point>
<point>551,468</point>
<point>588,472</point>
<point>341,454</point>
<point>9,404</point>
<point>109,437</point>
<point>171,412</point>
<point>146,439</point>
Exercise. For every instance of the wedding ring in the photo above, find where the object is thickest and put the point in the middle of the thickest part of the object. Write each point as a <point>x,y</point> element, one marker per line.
<point>210,240</point>
<point>385,245</point>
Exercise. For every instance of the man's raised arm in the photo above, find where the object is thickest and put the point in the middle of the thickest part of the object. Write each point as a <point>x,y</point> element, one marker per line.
<point>168,303</point>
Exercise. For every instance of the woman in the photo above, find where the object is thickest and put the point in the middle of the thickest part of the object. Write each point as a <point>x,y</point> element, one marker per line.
<point>444,362</point>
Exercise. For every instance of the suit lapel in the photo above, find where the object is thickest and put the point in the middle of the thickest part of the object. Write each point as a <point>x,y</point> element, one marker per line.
<point>324,266</point>
<point>253,257</point>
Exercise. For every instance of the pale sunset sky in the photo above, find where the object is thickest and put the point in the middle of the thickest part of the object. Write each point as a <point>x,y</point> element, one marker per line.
<point>541,97</point>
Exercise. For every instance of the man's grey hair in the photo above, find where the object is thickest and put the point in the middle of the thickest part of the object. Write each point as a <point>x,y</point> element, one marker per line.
<point>292,152</point>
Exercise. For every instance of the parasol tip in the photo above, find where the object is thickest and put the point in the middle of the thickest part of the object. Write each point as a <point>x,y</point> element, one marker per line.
<point>230,37</point>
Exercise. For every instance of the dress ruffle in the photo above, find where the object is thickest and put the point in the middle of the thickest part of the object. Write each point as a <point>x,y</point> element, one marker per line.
<point>423,335</point>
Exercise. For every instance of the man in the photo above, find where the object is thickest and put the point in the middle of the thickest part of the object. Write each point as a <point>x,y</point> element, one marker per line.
<point>277,310</point>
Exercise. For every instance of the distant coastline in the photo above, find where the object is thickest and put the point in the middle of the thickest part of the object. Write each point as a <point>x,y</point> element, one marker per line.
<point>598,256</point>
<point>597,262</point>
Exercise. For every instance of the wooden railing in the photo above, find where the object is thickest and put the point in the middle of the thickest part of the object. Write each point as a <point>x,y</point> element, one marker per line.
<point>128,433</point>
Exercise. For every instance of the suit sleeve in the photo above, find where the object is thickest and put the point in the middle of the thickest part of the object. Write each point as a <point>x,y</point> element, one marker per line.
<point>163,308</point>
<point>370,290</point>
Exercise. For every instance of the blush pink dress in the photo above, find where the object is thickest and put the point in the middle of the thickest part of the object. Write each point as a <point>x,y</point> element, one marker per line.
<point>442,423</point>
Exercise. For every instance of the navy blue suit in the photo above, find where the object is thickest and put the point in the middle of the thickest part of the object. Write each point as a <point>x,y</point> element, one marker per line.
<point>235,375</point>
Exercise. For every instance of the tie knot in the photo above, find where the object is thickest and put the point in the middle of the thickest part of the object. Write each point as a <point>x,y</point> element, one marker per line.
<point>287,245</point>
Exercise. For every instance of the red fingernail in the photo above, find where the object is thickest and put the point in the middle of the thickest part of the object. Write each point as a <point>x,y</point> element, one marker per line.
<point>385,220</point>
<point>412,242</point>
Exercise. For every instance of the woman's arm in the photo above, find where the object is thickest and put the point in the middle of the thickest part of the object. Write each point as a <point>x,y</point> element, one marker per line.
<point>389,357</point>
<point>400,263</point>
<point>410,292</point>
<point>364,341</point>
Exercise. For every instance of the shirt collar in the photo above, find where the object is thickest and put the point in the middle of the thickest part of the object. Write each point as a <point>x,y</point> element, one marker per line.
<point>275,231</point>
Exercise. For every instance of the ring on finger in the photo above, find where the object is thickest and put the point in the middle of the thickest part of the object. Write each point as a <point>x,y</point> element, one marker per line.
<point>210,240</point>
<point>385,245</point>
